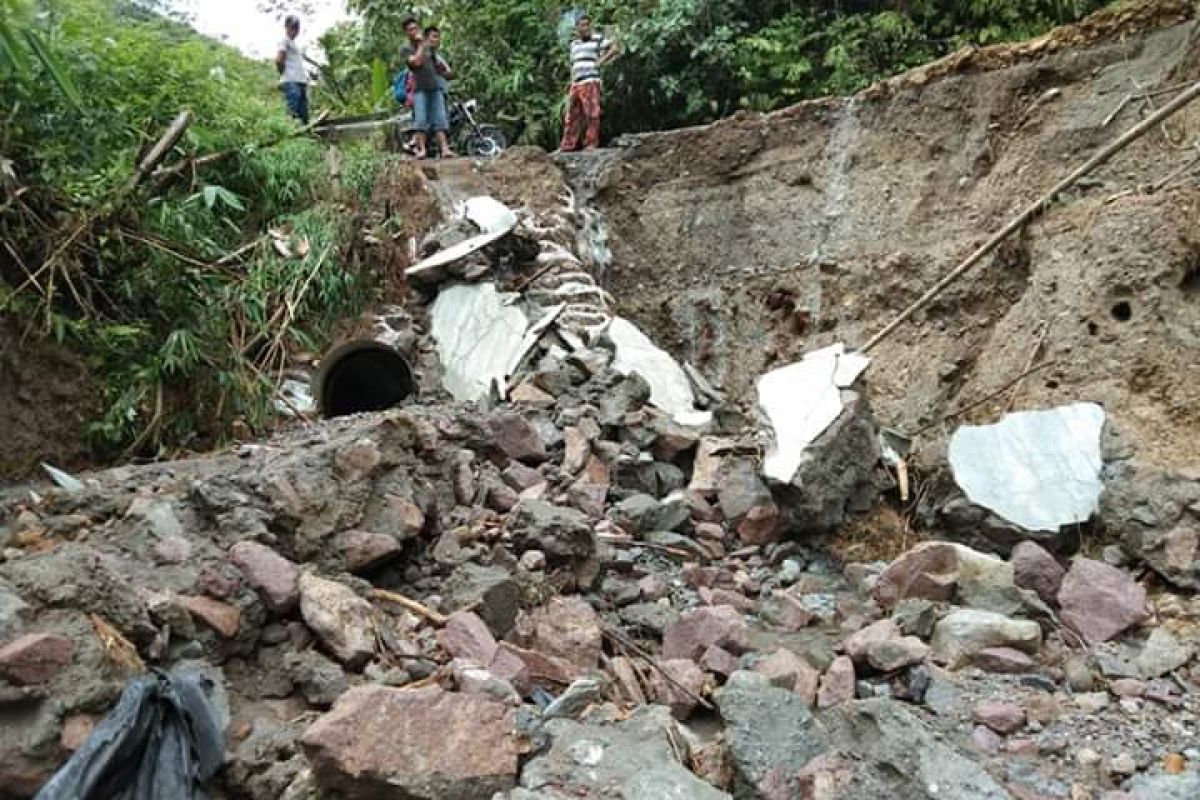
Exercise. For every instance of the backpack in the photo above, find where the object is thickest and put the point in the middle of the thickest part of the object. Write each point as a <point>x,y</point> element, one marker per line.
<point>400,87</point>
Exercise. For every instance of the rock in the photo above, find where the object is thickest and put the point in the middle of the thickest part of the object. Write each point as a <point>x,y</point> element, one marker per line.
<point>1000,716</point>
<point>894,654</point>
<point>221,617</point>
<point>986,740</point>
<point>342,621</point>
<point>563,534</point>
<point>1122,765</point>
<point>466,636</point>
<point>1037,570</point>
<point>697,630</point>
<point>423,744</point>
<point>899,756</point>
<point>672,439</point>
<point>1152,508</point>
<point>1127,687</point>
<point>1162,653</point>
<point>837,685</point>
<point>521,478</point>
<point>35,658</point>
<point>1003,660</point>
<point>529,395</point>
<point>573,702</point>
<point>786,670</point>
<point>726,597</point>
<point>641,513</point>
<point>1092,702</point>
<point>962,634</point>
<point>747,504</point>
<point>706,469</point>
<point>683,673</point>
<point>319,680</point>
<point>857,644</point>
<point>1184,786</point>
<point>76,729</point>
<point>272,575</point>
<point>517,438</point>
<point>362,550</point>
<point>590,491</point>
<point>634,759</point>
<point>578,448</point>
<point>568,628</point>
<point>928,571</point>
<point>767,729</point>
<point>1079,674</point>
<point>533,561</point>
<point>719,661</point>
<point>1099,601</point>
<point>472,679</point>
<point>649,618</point>
<point>916,617</point>
<point>355,461</point>
<point>491,591</point>
<point>787,612</point>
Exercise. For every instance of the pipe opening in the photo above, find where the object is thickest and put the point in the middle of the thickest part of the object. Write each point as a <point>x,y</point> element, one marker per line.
<point>362,376</point>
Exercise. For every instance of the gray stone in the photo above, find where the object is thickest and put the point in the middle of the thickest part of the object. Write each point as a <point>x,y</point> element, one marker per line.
<point>489,591</point>
<point>1162,653</point>
<point>563,534</point>
<point>1148,507</point>
<point>962,634</point>
<point>768,729</point>
<point>319,680</point>
<point>838,476</point>
<point>574,700</point>
<point>631,760</point>
<point>641,513</point>
<point>900,756</point>
<point>1184,786</point>
<point>650,618</point>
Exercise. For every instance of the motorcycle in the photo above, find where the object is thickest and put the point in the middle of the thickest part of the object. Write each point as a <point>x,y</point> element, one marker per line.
<point>467,135</point>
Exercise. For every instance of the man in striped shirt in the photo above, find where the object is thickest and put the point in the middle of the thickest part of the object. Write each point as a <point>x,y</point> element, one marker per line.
<point>589,52</point>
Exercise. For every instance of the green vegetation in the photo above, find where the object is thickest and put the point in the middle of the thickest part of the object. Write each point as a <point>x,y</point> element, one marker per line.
<point>686,61</point>
<point>187,338</point>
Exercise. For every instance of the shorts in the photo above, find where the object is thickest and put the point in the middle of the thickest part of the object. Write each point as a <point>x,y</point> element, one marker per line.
<point>429,111</point>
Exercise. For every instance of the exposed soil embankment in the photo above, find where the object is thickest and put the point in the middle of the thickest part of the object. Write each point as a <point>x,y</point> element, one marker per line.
<point>746,243</point>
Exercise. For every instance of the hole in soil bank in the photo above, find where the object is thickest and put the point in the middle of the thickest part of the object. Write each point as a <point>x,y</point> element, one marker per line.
<point>1190,283</point>
<point>1122,311</point>
<point>1093,328</point>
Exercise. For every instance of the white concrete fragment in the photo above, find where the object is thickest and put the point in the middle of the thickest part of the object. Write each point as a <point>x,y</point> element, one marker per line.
<point>801,400</point>
<point>489,214</point>
<point>479,334</point>
<point>1037,469</point>
<point>670,389</point>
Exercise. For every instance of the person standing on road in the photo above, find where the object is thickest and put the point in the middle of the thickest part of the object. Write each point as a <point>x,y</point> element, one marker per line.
<point>293,80</point>
<point>589,52</point>
<point>430,72</point>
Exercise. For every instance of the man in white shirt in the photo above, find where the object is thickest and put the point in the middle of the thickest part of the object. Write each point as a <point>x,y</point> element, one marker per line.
<point>293,80</point>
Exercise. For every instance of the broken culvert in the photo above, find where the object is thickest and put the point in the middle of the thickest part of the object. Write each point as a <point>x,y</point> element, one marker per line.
<point>361,375</point>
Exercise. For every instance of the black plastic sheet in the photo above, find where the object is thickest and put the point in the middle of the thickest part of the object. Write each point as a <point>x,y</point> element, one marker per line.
<point>162,740</point>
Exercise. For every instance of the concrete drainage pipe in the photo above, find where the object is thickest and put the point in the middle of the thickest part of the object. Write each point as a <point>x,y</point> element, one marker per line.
<point>361,375</point>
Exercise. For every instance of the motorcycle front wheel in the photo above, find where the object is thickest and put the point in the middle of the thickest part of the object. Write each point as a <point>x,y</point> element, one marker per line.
<point>488,142</point>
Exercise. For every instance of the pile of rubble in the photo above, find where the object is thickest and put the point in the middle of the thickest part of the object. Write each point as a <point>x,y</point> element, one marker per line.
<point>569,569</point>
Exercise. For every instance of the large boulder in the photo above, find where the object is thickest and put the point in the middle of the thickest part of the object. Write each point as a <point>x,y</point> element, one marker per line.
<point>1156,512</point>
<point>421,744</point>
<point>635,759</point>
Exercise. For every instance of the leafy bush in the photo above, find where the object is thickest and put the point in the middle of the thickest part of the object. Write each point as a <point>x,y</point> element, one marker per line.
<point>187,339</point>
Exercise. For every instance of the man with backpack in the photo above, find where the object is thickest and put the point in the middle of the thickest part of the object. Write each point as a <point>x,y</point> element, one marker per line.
<point>589,52</point>
<point>430,72</point>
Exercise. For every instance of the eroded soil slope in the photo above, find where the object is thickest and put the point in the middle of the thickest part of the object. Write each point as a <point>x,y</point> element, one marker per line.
<point>746,243</point>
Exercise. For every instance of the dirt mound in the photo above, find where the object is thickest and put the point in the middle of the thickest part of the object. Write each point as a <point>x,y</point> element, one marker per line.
<point>748,242</point>
<point>47,397</point>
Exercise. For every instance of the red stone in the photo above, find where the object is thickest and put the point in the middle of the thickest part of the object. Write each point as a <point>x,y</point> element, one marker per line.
<point>466,636</point>
<point>837,686</point>
<point>1099,601</point>
<point>697,630</point>
<point>35,658</point>
<point>1000,716</point>
<point>272,575</point>
<point>789,671</point>
<point>221,617</point>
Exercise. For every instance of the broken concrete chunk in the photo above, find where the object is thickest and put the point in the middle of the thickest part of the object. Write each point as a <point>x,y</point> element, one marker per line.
<point>963,634</point>
<point>268,572</point>
<point>670,388</point>
<point>1099,601</point>
<point>341,620</point>
<point>800,401</point>
<point>1037,469</point>
<point>423,744</point>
